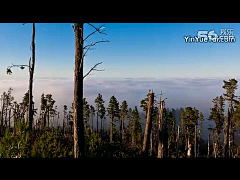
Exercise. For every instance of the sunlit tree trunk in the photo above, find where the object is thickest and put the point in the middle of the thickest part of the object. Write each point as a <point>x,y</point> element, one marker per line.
<point>160,131</point>
<point>226,135</point>
<point>148,126</point>
<point>78,122</point>
<point>208,154</point>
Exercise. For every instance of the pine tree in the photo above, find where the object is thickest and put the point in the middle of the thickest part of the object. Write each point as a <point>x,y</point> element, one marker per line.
<point>189,118</point>
<point>123,115</point>
<point>114,114</point>
<point>230,87</point>
<point>92,110</point>
<point>136,129</point>
<point>100,109</point>
<point>217,115</point>
<point>86,114</point>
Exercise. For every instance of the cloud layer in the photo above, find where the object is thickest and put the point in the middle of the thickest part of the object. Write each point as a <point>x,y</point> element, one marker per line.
<point>180,92</point>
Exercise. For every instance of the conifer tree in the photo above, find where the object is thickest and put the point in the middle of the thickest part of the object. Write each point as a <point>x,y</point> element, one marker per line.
<point>217,115</point>
<point>92,110</point>
<point>231,86</point>
<point>123,115</point>
<point>86,113</point>
<point>100,109</point>
<point>189,118</point>
<point>114,114</point>
<point>136,129</point>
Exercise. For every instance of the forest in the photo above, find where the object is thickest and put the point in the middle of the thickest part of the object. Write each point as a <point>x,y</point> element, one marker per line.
<point>27,131</point>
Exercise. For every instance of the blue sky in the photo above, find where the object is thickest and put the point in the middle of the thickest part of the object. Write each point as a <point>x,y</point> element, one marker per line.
<point>135,50</point>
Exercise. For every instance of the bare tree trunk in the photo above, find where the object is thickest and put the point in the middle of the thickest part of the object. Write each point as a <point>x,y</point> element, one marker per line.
<point>178,137</point>
<point>214,145</point>
<point>196,144</point>
<point>208,154</point>
<point>160,130</point>
<point>48,118</point>
<point>6,115</point>
<point>229,150</point>
<point>189,146</point>
<point>78,122</point>
<point>151,143</point>
<point>9,118</point>
<point>111,128</point>
<point>97,123</point>
<point>199,141</point>
<point>1,113</point>
<point>101,128</point>
<point>133,134</point>
<point>32,65</point>
<point>92,123</point>
<point>226,135</point>
<point>148,126</point>
<point>120,134</point>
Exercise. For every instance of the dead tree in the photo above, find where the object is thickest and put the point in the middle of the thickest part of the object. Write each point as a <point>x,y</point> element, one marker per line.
<point>31,72</point>
<point>78,122</point>
<point>148,126</point>
<point>31,67</point>
<point>160,129</point>
<point>80,53</point>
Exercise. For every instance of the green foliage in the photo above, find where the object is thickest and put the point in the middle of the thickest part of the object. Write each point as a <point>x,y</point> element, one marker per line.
<point>144,106</point>
<point>136,129</point>
<point>189,118</point>
<point>44,144</point>
<point>217,113</point>
<point>100,106</point>
<point>230,87</point>
<point>124,110</point>
<point>93,144</point>
<point>86,113</point>
<point>16,144</point>
<point>52,144</point>
<point>113,109</point>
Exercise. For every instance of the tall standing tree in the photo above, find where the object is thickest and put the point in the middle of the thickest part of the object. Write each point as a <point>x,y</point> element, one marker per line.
<point>136,129</point>
<point>189,119</point>
<point>230,86</point>
<point>154,129</point>
<point>114,113</point>
<point>100,109</point>
<point>80,53</point>
<point>86,114</point>
<point>201,119</point>
<point>31,68</point>
<point>148,124</point>
<point>217,115</point>
<point>92,110</point>
<point>123,115</point>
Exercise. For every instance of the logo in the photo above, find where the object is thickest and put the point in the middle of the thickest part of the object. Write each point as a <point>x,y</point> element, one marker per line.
<point>203,36</point>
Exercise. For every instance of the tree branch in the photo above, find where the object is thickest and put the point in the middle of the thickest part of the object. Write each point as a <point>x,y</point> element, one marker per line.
<point>9,71</point>
<point>91,45</point>
<point>93,69</point>
<point>99,30</point>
